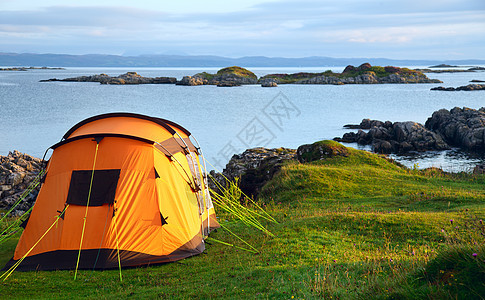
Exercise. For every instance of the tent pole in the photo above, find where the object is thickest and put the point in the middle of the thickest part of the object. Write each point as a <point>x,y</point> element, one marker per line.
<point>86,212</point>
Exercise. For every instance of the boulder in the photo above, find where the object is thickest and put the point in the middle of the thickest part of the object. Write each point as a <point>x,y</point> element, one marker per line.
<point>320,150</point>
<point>398,137</point>
<point>254,167</point>
<point>418,136</point>
<point>461,127</point>
<point>383,147</point>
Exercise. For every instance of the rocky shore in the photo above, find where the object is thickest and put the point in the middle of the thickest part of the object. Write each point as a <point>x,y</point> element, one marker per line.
<point>17,171</point>
<point>236,76</point>
<point>470,87</point>
<point>397,137</point>
<point>460,127</point>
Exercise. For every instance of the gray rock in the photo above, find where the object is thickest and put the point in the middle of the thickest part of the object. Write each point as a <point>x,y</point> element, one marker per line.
<point>470,87</point>
<point>127,78</point>
<point>17,170</point>
<point>461,127</point>
<point>192,81</point>
<point>383,147</point>
<point>398,137</point>
<point>254,167</point>
<point>269,82</point>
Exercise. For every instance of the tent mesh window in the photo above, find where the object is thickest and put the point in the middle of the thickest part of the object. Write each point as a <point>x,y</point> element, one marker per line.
<point>103,188</point>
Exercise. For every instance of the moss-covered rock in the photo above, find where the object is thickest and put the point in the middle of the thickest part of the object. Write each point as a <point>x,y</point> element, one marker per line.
<point>320,150</point>
<point>230,76</point>
<point>236,71</point>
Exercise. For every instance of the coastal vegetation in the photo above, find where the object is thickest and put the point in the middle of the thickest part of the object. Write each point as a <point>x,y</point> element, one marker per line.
<point>351,225</point>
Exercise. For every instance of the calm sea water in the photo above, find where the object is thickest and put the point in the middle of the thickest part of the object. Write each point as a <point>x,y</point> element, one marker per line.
<point>225,121</point>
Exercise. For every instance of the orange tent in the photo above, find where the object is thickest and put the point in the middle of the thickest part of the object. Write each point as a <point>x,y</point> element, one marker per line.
<point>121,189</point>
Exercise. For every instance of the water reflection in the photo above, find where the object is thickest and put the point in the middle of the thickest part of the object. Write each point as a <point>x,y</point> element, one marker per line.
<point>454,160</point>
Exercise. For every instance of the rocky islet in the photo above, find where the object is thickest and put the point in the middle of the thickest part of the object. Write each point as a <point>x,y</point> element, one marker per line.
<point>469,87</point>
<point>236,76</point>
<point>127,78</point>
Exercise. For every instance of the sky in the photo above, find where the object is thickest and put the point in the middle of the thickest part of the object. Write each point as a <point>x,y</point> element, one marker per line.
<point>414,29</point>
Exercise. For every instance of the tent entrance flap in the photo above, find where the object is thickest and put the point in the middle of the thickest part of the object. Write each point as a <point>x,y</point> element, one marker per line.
<point>103,189</point>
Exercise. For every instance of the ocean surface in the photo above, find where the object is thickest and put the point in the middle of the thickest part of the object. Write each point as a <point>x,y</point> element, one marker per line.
<point>225,121</point>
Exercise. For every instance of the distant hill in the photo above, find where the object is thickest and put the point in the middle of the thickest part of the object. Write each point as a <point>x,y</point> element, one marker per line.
<point>101,60</point>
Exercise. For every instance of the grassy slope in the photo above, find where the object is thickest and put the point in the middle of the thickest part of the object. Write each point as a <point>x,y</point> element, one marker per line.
<point>354,227</point>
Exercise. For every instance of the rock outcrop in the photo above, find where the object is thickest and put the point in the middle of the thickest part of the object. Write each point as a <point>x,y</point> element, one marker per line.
<point>17,171</point>
<point>363,74</point>
<point>320,150</point>
<point>369,78</point>
<point>254,167</point>
<point>398,137</point>
<point>127,78</point>
<point>226,77</point>
<point>461,127</point>
<point>470,87</point>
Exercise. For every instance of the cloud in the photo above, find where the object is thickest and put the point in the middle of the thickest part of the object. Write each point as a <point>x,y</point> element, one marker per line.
<point>82,16</point>
<point>282,28</point>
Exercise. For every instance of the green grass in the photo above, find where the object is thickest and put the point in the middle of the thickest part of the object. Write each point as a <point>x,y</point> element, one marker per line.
<point>234,70</point>
<point>238,71</point>
<point>350,227</point>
